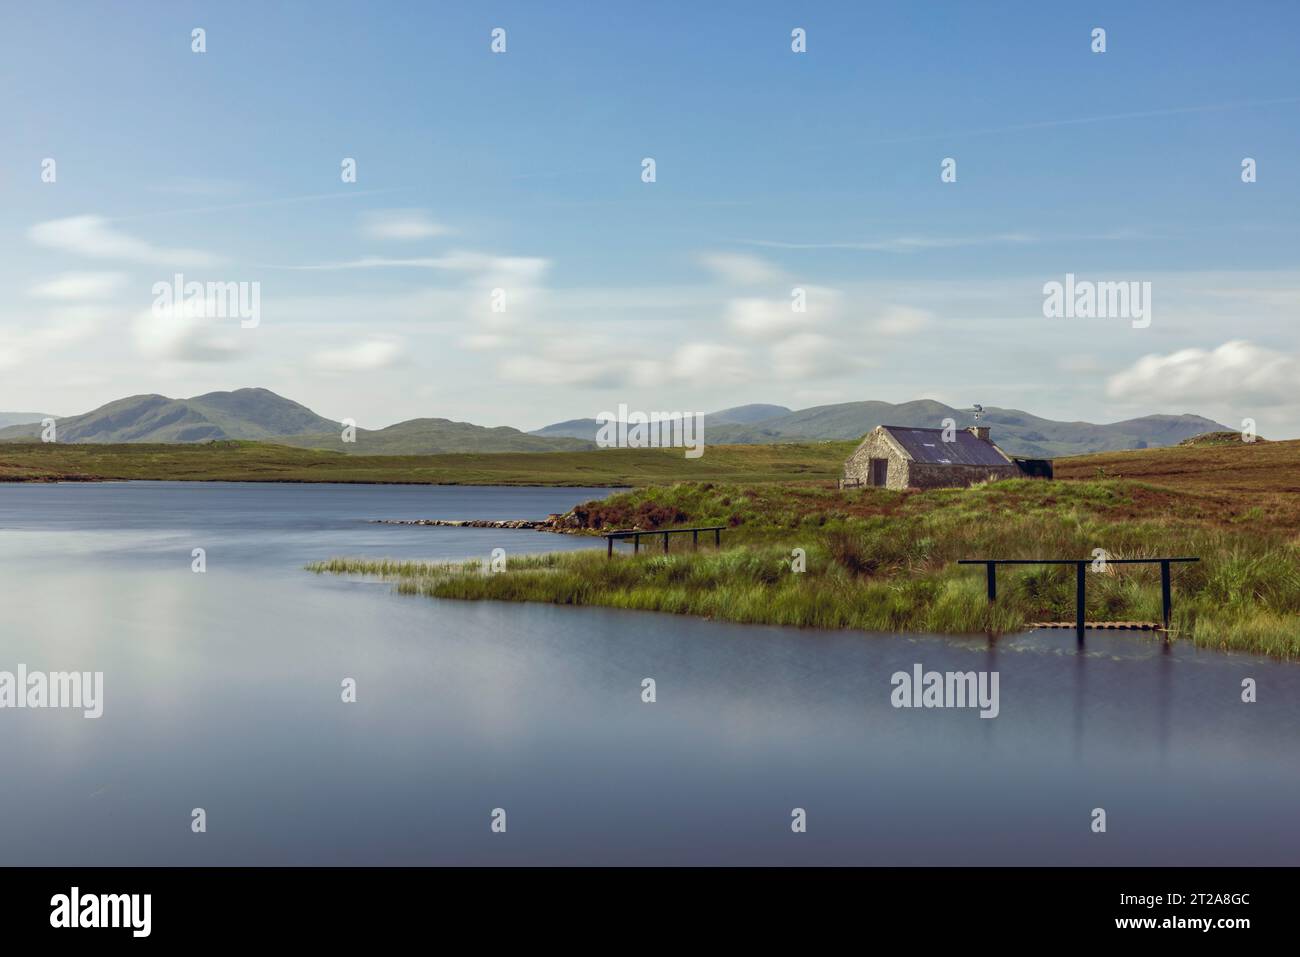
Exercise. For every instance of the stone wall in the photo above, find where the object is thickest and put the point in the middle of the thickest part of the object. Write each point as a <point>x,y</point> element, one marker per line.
<point>956,476</point>
<point>857,469</point>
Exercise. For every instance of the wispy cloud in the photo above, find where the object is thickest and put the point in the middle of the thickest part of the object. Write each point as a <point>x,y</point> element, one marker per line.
<point>758,318</point>
<point>92,236</point>
<point>528,268</point>
<point>402,225</point>
<point>362,356</point>
<point>79,286</point>
<point>740,269</point>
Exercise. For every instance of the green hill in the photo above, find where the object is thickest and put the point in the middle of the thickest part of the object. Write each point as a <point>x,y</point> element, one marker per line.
<point>242,414</point>
<point>435,436</point>
<point>261,415</point>
<point>736,415</point>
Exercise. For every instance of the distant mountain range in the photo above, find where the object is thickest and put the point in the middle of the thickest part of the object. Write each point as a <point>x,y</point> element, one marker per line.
<point>262,415</point>
<point>1016,432</point>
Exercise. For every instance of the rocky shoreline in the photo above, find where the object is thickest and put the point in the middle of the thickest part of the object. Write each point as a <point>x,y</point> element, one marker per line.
<point>552,523</point>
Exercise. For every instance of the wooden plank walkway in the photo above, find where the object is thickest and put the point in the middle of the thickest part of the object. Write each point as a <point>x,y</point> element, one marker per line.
<point>1120,625</point>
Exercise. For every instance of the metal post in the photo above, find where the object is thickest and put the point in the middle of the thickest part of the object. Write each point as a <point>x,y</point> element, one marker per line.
<point>1166,600</point>
<point>1080,597</point>
<point>609,546</point>
<point>636,544</point>
<point>665,543</point>
<point>992,569</point>
<point>695,538</point>
<point>717,537</point>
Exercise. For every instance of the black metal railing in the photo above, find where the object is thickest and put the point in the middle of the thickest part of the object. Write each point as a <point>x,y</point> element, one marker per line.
<point>1080,579</point>
<point>636,537</point>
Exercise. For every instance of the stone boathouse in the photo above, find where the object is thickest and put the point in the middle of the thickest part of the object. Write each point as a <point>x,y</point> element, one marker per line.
<point>899,457</point>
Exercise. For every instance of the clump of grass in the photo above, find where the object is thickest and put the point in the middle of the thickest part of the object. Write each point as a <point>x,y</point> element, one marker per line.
<point>847,550</point>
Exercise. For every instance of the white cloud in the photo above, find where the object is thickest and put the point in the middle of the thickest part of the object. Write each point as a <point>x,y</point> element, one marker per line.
<point>764,318</point>
<point>1237,371</point>
<point>185,332</point>
<point>741,269</point>
<point>79,285</point>
<point>501,269</point>
<point>401,225</point>
<point>776,318</point>
<point>596,363</point>
<point>517,268</point>
<point>93,236</point>
<point>825,310</point>
<point>518,280</point>
<point>359,357</point>
<point>480,275</point>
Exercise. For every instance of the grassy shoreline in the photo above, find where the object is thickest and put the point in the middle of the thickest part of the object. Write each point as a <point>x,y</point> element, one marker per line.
<point>885,561</point>
<point>238,461</point>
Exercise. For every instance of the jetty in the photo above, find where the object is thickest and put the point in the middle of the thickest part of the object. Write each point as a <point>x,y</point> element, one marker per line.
<point>1081,566</point>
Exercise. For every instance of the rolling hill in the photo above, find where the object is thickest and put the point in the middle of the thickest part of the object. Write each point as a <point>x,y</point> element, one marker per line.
<point>436,436</point>
<point>261,415</point>
<point>242,414</point>
<point>737,415</point>
<point>746,414</point>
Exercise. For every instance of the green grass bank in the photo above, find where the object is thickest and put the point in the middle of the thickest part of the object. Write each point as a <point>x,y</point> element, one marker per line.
<point>884,561</point>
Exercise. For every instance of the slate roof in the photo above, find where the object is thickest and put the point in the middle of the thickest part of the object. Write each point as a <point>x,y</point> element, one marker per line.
<point>927,446</point>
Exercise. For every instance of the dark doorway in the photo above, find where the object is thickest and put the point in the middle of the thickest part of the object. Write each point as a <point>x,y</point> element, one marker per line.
<point>879,472</point>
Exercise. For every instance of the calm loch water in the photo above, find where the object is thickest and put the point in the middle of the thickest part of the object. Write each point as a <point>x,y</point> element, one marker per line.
<point>222,691</point>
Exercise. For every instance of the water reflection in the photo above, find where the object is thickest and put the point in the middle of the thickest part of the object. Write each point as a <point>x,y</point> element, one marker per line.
<point>222,691</point>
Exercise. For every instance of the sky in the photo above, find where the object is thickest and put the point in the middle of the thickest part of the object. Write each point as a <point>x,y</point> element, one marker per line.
<point>501,259</point>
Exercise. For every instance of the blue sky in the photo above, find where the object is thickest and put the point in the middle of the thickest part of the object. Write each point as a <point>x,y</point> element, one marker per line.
<point>775,170</point>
